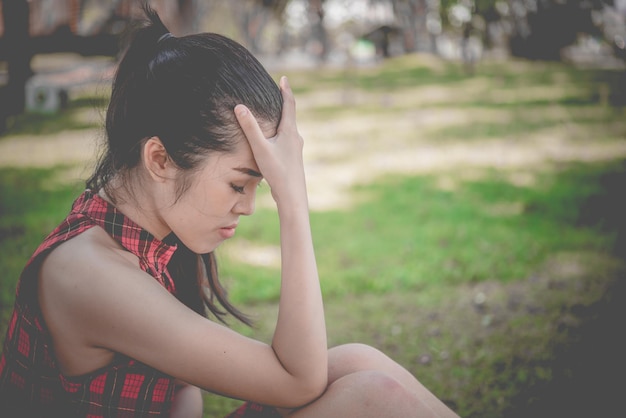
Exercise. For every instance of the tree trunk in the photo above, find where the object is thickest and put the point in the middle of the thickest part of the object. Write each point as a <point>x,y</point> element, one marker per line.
<point>316,19</point>
<point>18,55</point>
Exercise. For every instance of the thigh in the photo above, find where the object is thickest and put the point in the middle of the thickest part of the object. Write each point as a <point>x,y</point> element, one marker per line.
<point>351,358</point>
<point>364,382</point>
<point>365,394</point>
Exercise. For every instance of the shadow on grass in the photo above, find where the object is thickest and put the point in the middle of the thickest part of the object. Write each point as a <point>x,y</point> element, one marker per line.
<point>589,365</point>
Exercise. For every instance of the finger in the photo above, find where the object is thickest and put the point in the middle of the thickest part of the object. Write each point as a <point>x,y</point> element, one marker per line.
<point>288,118</point>
<point>250,127</point>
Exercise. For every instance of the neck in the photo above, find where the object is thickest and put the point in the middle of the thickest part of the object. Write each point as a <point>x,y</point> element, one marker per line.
<point>138,207</point>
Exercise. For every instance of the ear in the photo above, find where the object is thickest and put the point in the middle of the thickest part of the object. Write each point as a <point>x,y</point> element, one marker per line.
<point>156,160</point>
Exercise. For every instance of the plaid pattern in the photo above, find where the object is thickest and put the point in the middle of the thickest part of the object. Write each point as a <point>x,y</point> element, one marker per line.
<point>31,385</point>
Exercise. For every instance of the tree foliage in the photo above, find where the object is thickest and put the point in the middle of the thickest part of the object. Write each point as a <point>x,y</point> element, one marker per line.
<point>539,29</point>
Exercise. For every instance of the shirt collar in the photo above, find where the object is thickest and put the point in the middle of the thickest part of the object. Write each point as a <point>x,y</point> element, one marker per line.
<point>156,253</point>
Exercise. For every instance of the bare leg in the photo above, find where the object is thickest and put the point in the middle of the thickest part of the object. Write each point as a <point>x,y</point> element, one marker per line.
<point>366,394</point>
<point>187,402</point>
<point>363,382</point>
<point>351,358</point>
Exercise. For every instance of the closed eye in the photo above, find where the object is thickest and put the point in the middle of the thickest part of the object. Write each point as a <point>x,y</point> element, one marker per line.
<point>238,189</point>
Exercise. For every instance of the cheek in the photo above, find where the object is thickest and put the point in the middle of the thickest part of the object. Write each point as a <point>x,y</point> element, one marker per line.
<point>213,200</point>
<point>202,201</point>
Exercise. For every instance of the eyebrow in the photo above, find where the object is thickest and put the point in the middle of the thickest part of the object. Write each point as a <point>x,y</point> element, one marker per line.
<point>248,171</point>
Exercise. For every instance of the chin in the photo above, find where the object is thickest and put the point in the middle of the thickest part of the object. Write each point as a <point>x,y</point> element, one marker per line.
<point>205,249</point>
<point>202,247</point>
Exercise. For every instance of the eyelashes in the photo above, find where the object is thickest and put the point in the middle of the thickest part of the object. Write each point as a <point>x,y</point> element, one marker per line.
<point>242,189</point>
<point>238,189</point>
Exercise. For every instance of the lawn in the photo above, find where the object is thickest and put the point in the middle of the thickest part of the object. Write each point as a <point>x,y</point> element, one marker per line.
<point>470,226</point>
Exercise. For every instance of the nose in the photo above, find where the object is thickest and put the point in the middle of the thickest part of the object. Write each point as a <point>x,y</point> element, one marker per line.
<point>245,205</point>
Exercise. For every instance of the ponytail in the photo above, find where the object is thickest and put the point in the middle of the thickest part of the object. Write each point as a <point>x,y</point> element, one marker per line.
<point>126,118</point>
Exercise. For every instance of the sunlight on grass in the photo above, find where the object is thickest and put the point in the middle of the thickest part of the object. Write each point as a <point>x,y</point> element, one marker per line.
<point>412,234</point>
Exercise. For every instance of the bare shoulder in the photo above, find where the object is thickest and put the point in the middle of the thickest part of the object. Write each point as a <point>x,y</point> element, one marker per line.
<point>88,273</point>
<point>93,248</point>
<point>83,270</point>
<point>80,282</point>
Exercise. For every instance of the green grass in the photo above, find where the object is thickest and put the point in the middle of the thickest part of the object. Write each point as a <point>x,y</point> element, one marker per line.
<point>32,203</point>
<point>409,238</point>
<point>401,269</point>
<point>410,234</point>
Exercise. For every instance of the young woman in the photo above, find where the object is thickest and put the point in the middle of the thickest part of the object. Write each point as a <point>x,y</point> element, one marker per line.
<point>110,317</point>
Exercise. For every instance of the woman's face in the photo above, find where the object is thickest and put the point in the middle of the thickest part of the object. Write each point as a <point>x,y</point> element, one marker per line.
<point>222,190</point>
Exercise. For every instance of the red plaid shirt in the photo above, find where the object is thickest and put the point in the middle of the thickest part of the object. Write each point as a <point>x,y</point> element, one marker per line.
<point>31,385</point>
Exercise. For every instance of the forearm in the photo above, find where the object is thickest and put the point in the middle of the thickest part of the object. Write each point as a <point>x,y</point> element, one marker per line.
<point>300,336</point>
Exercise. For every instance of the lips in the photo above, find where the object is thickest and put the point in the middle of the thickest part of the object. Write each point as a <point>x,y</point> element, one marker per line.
<point>228,231</point>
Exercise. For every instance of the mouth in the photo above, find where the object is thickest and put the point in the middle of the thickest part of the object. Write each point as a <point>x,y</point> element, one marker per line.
<point>228,231</point>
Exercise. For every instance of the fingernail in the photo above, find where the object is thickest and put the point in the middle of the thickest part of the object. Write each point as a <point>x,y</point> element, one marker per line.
<point>241,110</point>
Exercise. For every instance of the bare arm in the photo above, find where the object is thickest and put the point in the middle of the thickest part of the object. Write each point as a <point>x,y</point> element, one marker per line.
<point>106,303</point>
<point>300,335</point>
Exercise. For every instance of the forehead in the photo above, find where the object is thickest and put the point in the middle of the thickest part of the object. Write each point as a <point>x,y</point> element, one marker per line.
<point>240,156</point>
<point>241,153</point>
<point>242,150</point>
<point>219,164</point>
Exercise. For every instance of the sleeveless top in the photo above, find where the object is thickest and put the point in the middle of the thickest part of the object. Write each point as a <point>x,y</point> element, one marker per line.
<point>31,384</point>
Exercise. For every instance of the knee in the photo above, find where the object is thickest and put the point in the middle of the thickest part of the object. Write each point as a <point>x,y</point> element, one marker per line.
<point>356,353</point>
<point>376,383</point>
<point>378,391</point>
<point>350,358</point>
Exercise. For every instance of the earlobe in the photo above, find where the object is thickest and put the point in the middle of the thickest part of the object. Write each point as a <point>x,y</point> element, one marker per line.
<point>155,159</point>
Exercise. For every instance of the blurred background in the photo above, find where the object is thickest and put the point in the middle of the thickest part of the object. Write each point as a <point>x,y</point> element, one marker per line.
<point>466,163</point>
<point>313,32</point>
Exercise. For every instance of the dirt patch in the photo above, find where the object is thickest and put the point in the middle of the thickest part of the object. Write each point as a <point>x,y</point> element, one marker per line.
<point>330,182</point>
<point>357,148</point>
<point>65,148</point>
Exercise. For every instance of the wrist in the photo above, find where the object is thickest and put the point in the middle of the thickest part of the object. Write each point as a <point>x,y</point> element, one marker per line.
<point>292,208</point>
<point>296,199</point>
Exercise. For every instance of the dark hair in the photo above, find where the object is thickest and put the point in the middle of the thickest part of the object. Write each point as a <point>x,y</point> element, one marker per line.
<point>182,90</point>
